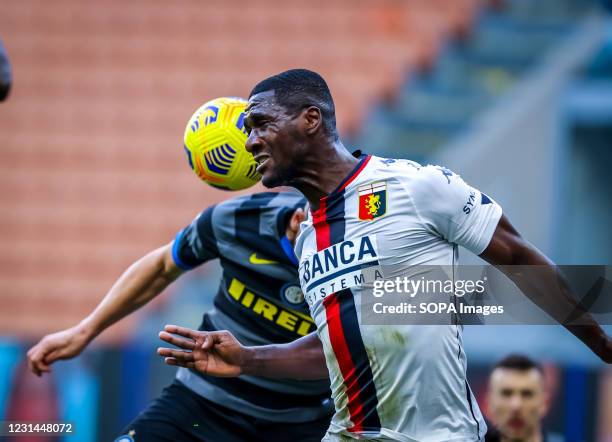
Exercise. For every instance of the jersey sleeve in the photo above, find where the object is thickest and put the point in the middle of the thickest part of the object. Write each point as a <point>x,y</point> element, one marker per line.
<point>196,243</point>
<point>454,210</point>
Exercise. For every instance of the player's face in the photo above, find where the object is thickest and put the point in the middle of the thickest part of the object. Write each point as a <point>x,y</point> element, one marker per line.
<point>275,140</point>
<point>516,402</point>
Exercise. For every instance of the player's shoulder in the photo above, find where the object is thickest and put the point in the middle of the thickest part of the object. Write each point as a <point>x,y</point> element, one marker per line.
<point>433,174</point>
<point>253,215</point>
<point>413,173</point>
<point>262,200</point>
<point>395,164</point>
<point>434,184</point>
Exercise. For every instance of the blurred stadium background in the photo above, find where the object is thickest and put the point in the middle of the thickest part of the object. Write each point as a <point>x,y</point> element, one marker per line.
<point>516,95</point>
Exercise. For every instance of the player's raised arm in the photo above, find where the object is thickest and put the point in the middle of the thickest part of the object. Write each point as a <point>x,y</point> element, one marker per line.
<point>545,287</point>
<point>463,215</point>
<point>220,354</point>
<point>141,282</point>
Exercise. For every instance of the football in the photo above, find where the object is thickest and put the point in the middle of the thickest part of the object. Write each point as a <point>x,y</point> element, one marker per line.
<point>215,140</point>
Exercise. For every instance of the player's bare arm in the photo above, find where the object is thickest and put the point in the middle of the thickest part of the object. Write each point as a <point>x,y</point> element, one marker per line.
<point>549,290</point>
<point>141,282</point>
<point>220,354</point>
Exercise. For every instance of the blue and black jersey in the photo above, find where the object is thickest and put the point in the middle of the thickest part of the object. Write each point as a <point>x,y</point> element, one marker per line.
<point>259,300</point>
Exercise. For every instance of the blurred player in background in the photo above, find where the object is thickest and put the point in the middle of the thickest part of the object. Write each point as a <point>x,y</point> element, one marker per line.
<point>517,402</point>
<point>5,74</point>
<point>259,300</point>
<point>397,382</point>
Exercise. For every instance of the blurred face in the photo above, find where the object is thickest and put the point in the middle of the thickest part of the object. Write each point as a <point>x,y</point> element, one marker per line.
<point>516,402</point>
<point>276,139</point>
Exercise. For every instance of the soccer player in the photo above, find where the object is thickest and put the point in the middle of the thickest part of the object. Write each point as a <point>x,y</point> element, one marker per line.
<point>402,382</point>
<point>259,300</point>
<point>517,401</point>
<point>5,74</point>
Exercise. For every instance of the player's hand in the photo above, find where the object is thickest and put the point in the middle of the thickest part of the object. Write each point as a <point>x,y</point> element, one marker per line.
<point>215,353</point>
<point>65,344</point>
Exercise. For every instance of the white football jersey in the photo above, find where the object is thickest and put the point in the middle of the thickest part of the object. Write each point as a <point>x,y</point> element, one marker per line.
<point>392,382</point>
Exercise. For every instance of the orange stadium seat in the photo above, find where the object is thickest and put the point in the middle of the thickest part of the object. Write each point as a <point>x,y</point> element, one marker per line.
<point>92,174</point>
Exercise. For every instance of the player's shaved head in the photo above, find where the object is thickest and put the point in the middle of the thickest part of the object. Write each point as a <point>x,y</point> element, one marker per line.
<point>291,125</point>
<point>518,362</point>
<point>297,89</point>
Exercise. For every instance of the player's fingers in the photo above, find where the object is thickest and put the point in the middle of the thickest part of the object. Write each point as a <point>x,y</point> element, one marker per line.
<point>40,362</point>
<point>172,361</point>
<point>212,338</point>
<point>42,350</point>
<point>208,342</point>
<point>53,356</point>
<point>181,355</point>
<point>177,363</point>
<point>33,367</point>
<point>39,367</point>
<point>29,356</point>
<point>183,331</point>
<point>31,351</point>
<point>35,362</point>
<point>179,342</point>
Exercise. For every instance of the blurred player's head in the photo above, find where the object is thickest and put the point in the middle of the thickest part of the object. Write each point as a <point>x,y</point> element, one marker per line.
<point>288,114</point>
<point>516,398</point>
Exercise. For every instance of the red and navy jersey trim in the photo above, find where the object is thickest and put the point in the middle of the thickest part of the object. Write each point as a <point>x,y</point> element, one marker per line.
<point>343,326</point>
<point>346,341</point>
<point>328,219</point>
<point>363,162</point>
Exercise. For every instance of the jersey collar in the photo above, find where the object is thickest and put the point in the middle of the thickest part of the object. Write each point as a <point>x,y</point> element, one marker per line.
<point>363,161</point>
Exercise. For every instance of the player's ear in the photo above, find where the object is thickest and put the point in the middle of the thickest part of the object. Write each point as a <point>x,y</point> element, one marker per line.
<point>297,218</point>
<point>294,223</point>
<point>312,120</point>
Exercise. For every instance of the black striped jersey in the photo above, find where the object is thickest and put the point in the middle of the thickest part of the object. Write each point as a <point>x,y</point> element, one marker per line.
<point>388,219</point>
<point>259,300</point>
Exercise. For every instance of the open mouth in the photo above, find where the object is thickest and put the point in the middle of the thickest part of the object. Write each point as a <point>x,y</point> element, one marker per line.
<point>261,160</point>
<point>516,423</point>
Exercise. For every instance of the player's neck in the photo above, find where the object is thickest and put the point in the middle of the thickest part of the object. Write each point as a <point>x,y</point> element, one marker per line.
<point>323,172</point>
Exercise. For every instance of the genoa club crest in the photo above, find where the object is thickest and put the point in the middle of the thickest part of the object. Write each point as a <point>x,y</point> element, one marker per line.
<point>372,200</point>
